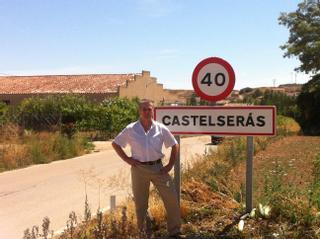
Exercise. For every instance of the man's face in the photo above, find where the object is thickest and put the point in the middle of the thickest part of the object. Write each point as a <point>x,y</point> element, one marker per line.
<point>146,111</point>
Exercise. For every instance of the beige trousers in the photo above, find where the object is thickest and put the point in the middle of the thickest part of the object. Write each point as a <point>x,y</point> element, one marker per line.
<point>142,175</point>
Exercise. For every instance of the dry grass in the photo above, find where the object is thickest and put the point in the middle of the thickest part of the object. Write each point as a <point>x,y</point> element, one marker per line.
<point>13,156</point>
<point>287,156</point>
<point>283,176</point>
<point>20,148</point>
<point>10,133</point>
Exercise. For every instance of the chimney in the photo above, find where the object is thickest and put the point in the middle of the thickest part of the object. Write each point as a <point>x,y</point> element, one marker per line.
<point>146,73</point>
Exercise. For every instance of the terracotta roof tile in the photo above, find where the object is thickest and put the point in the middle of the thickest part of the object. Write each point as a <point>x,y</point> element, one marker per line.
<point>97,83</point>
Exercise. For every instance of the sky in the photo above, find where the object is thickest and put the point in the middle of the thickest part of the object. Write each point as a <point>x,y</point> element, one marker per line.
<point>166,37</point>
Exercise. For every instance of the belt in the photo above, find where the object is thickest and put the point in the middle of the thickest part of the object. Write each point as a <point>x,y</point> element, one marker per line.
<point>151,162</point>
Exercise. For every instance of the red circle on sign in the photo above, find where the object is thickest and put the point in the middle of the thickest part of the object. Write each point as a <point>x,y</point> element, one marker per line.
<point>229,70</point>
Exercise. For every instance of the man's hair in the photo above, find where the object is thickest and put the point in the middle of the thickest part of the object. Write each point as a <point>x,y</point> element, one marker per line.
<point>145,101</point>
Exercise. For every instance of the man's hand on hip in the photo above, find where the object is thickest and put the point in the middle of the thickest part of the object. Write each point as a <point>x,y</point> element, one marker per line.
<point>166,169</point>
<point>133,162</point>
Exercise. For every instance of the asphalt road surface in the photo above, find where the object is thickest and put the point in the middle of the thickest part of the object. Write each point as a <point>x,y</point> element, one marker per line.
<point>54,190</point>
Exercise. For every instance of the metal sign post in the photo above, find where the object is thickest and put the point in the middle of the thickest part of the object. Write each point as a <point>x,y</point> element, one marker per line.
<point>177,171</point>
<point>249,174</point>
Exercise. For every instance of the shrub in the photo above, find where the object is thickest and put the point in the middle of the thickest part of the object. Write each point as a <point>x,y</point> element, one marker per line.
<point>287,126</point>
<point>309,105</point>
<point>72,113</point>
<point>286,105</point>
<point>59,112</point>
<point>39,113</point>
<point>122,112</point>
<point>3,111</point>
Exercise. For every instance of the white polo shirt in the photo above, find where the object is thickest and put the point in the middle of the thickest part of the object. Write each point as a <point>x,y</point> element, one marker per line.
<point>145,146</point>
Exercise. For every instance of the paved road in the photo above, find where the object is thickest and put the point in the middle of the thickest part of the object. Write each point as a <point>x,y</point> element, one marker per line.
<point>55,189</point>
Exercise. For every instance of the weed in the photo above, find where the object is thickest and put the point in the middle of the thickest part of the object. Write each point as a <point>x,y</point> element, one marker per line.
<point>87,211</point>
<point>100,229</point>
<point>45,227</point>
<point>36,154</point>
<point>35,234</point>
<point>13,156</point>
<point>39,148</point>
<point>239,195</point>
<point>71,224</point>
<point>261,143</point>
<point>236,151</point>
<point>315,185</point>
<point>287,201</point>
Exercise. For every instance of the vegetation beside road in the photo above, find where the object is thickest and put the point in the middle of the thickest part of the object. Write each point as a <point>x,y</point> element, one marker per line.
<point>71,113</point>
<point>40,148</point>
<point>213,194</point>
<point>42,130</point>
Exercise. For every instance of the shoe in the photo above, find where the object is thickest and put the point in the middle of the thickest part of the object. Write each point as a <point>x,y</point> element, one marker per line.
<point>177,236</point>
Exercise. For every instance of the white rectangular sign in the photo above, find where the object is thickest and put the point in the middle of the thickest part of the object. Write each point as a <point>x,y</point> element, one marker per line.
<point>217,120</point>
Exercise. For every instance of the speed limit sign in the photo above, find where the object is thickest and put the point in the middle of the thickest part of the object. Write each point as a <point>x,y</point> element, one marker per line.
<point>213,79</point>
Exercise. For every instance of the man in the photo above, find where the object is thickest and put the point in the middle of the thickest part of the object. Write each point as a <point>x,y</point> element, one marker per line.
<point>146,138</point>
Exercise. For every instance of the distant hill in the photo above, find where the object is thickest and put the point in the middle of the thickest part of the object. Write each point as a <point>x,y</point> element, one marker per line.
<point>289,89</point>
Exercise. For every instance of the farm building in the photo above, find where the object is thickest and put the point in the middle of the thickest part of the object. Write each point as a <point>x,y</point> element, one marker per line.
<point>97,87</point>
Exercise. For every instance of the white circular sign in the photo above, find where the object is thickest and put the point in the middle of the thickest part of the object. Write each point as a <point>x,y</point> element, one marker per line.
<point>213,79</point>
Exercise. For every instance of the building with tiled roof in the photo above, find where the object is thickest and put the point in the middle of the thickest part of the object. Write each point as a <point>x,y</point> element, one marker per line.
<point>80,84</point>
<point>97,87</point>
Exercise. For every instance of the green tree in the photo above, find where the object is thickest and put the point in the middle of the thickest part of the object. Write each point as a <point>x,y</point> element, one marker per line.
<point>257,93</point>
<point>68,112</point>
<point>122,111</point>
<point>304,43</point>
<point>286,105</point>
<point>246,90</point>
<point>192,100</point>
<point>304,39</point>
<point>38,113</point>
<point>3,111</point>
<point>309,103</point>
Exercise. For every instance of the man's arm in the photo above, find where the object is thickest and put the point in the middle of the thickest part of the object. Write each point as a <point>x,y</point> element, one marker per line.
<point>124,156</point>
<point>173,157</point>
